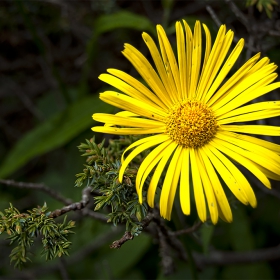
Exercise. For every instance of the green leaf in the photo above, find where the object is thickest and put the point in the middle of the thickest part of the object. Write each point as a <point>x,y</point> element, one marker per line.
<point>53,133</point>
<point>106,23</point>
<point>123,19</point>
<point>120,261</point>
<point>240,234</point>
<point>206,235</point>
<point>248,271</point>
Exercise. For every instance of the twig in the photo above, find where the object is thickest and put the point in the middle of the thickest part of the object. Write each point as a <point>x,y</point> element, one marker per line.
<point>95,215</point>
<point>128,235</point>
<point>66,201</point>
<point>167,262</point>
<point>85,251</point>
<point>187,230</point>
<point>216,19</point>
<point>213,15</point>
<point>172,240</point>
<point>224,258</point>
<point>74,206</point>
<point>118,243</point>
<point>239,14</point>
<point>63,269</point>
<point>40,187</point>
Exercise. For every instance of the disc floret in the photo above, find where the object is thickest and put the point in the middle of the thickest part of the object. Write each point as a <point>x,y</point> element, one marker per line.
<point>191,123</point>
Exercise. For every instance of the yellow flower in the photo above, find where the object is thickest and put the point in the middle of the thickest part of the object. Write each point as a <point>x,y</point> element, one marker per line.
<point>188,111</point>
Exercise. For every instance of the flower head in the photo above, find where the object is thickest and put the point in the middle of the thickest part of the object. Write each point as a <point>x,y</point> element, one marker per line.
<point>188,113</point>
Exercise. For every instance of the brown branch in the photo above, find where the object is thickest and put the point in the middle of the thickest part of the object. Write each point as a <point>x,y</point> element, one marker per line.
<point>118,243</point>
<point>86,250</point>
<point>244,20</point>
<point>95,215</point>
<point>40,187</point>
<point>167,262</point>
<point>128,235</point>
<point>74,206</point>
<point>172,240</point>
<point>213,15</point>
<point>225,258</point>
<point>66,201</point>
<point>218,22</point>
<point>187,230</point>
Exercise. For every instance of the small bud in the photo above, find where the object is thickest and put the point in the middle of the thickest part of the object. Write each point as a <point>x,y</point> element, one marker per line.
<point>18,229</point>
<point>72,224</point>
<point>98,206</point>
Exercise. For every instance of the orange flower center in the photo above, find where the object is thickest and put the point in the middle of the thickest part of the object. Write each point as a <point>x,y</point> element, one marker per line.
<point>191,123</point>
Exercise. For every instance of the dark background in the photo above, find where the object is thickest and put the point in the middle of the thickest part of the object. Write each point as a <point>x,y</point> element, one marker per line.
<point>51,54</point>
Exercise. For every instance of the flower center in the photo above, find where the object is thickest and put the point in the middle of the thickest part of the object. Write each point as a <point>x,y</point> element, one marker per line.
<point>191,123</point>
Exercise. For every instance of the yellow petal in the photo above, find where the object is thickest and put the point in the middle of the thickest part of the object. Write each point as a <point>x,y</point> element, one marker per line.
<point>223,205</point>
<point>126,121</point>
<point>145,69</point>
<point>258,89</point>
<point>138,86</point>
<point>182,60</point>
<point>127,89</point>
<point>136,152</point>
<point>236,154</point>
<point>196,58</point>
<point>170,184</point>
<point>242,85</point>
<point>230,179</point>
<point>224,71</point>
<point>158,172</point>
<point>185,182</point>
<point>263,143</point>
<point>210,65</point>
<point>127,131</point>
<point>241,72</point>
<point>206,83</point>
<point>131,104</point>
<point>253,129</point>
<point>269,106</point>
<point>147,166</point>
<point>197,186</point>
<point>254,152</point>
<point>166,47</point>
<point>166,77</point>
<point>189,49</point>
<point>208,190</point>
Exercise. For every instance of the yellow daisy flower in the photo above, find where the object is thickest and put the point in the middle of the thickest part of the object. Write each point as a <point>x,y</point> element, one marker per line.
<point>188,110</point>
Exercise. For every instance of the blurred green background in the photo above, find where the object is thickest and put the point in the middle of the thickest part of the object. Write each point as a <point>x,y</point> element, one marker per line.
<point>51,54</point>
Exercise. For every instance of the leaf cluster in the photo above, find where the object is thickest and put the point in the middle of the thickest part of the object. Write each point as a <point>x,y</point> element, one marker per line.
<point>267,5</point>
<point>23,228</point>
<point>101,172</point>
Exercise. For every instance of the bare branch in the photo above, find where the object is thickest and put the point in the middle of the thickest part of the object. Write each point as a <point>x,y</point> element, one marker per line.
<point>224,258</point>
<point>40,187</point>
<point>216,19</point>
<point>95,215</point>
<point>118,243</point>
<point>213,15</point>
<point>74,206</point>
<point>128,236</point>
<point>167,262</point>
<point>187,230</point>
<point>238,14</point>
<point>172,240</point>
<point>85,251</point>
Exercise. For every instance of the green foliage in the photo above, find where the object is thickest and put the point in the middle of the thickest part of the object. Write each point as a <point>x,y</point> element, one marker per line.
<point>23,228</point>
<point>267,5</point>
<point>54,132</point>
<point>123,19</point>
<point>102,173</point>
